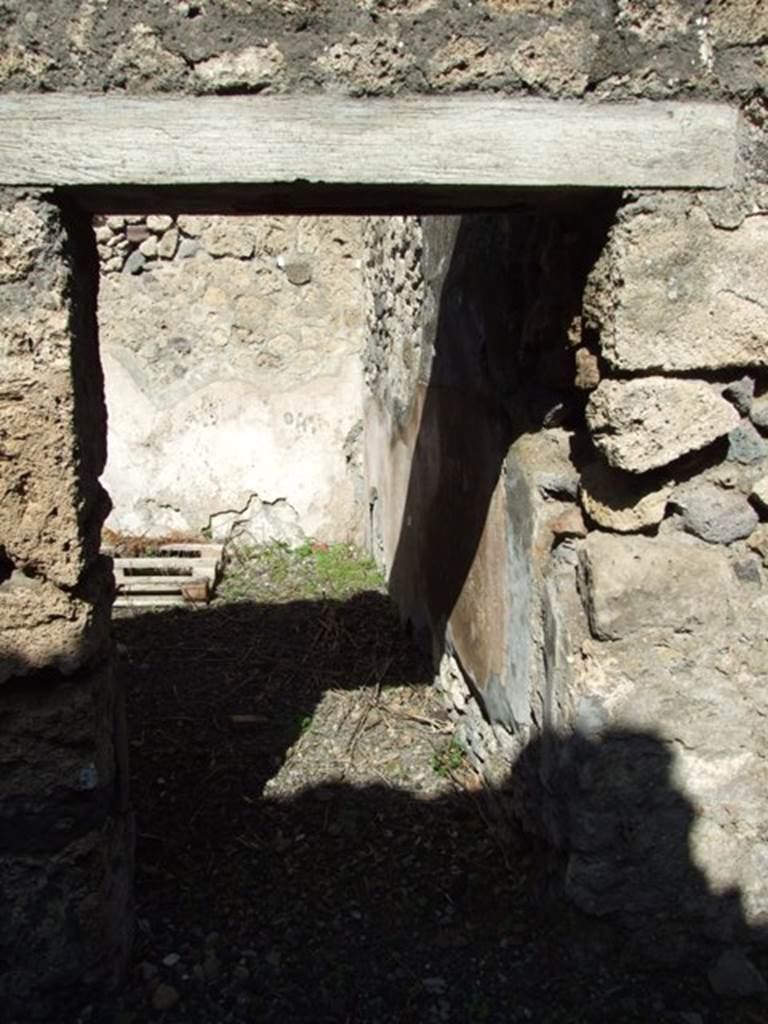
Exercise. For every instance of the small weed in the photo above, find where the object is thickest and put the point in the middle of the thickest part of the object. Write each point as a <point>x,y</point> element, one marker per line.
<point>449,758</point>
<point>305,724</point>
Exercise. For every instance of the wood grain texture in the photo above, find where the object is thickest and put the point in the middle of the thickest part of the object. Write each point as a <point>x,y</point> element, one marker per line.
<point>69,140</point>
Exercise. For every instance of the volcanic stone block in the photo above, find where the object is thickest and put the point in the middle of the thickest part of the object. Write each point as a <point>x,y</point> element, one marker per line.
<point>716,515</point>
<point>23,237</point>
<point>745,445</point>
<point>649,422</point>
<point>673,292</point>
<point>49,520</point>
<point>635,584</point>
<point>52,417</point>
<point>42,625</point>
<point>622,501</point>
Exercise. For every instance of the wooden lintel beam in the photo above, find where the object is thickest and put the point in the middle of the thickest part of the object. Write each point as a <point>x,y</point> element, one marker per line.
<point>487,141</point>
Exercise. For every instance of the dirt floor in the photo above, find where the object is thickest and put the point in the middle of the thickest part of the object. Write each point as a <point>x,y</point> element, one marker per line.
<point>312,845</point>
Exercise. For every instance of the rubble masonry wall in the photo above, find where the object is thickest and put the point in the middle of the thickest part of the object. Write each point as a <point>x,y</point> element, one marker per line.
<point>633,603</point>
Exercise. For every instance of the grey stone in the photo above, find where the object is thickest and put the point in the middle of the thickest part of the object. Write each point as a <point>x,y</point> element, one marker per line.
<point>187,247</point>
<point>622,501</point>
<point>716,515</point>
<point>298,273</point>
<point>734,974</point>
<point>591,717</point>
<point>759,412</point>
<point>639,583</point>
<point>740,393</point>
<point>745,445</point>
<point>649,422</point>
<point>135,263</point>
<point>558,485</point>
<point>747,570</point>
<point>137,233</point>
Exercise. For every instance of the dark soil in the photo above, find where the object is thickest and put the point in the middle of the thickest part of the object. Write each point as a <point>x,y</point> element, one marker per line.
<point>326,855</point>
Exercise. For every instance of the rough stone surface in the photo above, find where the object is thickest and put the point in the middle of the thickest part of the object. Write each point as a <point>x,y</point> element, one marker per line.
<point>24,233</point>
<point>64,843</point>
<point>672,292</point>
<point>716,515</point>
<point>649,422</point>
<point>645,725</point>
<point>216,360</point>
<point>587,370</point>
<point>42,625</point>
<point>758,541</point>
<point>52,505</point>
<point>639,583</point>
<point>746,446</point>
<point>647,772</point>
<point>759,413</point>
<point>251,68</point>
<point>568,524</point>
<point>740,393</point>
<point>620,501</point>
<point>759,494</point>
<point>658,51</point>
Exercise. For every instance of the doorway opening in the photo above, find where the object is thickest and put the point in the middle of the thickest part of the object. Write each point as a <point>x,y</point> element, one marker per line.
<point>285,743</point>
<point>315,837</point>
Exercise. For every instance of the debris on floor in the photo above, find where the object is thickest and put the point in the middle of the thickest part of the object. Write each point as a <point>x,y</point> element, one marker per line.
<point>312,844</point>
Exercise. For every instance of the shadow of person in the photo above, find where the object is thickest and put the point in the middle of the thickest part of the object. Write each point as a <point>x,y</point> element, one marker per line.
<point>609,806</point>
<point>411,910</point>
<point>373,903</point>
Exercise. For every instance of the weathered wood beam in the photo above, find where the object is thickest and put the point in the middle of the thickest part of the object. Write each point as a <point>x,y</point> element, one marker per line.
<point>486,141</point>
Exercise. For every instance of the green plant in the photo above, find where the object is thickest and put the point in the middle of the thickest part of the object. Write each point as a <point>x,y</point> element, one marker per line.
<point>310,571</point>
<point>448,758</point>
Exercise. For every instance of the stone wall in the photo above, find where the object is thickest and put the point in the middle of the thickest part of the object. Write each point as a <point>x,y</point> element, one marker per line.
<point>366,47</point>
<point>65,834</point>
<point>231,349</point>
<point>593,588</point>
<point>568,476</point>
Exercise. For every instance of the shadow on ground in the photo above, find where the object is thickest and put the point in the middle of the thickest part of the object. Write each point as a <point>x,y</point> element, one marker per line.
<point>365,904</point>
